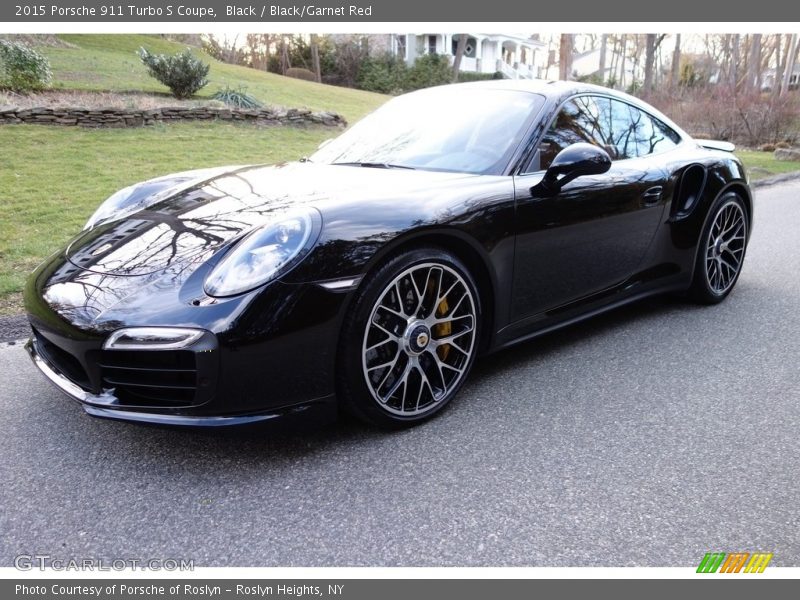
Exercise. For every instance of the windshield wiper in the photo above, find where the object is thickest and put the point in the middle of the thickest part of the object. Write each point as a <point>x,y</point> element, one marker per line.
<point>374,165</point>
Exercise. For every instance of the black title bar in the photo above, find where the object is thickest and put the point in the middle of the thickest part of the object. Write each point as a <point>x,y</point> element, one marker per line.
<point>379,11</point>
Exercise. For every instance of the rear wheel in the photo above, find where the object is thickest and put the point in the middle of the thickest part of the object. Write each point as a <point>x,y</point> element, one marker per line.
<point>410,339</point>
<point>721,250</point>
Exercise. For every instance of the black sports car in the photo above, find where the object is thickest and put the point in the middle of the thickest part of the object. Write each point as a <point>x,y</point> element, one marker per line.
<point>451,222</point>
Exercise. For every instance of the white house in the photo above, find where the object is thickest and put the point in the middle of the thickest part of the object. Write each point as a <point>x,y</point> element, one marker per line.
<point>588,63</point>
<point>516,56</point>
<point>768,79</point>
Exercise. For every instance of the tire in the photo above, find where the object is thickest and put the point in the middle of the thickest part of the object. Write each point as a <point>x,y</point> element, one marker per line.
<point>720,250</point>
<point>409,340</point>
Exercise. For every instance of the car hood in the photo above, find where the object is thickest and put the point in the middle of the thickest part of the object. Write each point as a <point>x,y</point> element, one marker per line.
<point>189,225</point>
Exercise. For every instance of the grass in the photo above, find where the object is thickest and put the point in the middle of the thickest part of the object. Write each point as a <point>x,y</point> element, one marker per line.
<point>110,63</point>
<point>763,164</point>
<point>57,176</point>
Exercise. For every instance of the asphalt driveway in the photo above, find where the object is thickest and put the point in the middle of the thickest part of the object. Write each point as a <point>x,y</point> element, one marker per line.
<point>645,437</point>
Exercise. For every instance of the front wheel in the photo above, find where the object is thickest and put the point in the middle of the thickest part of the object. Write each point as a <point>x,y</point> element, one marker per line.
<point>721,250</point>
<point>410,339</point>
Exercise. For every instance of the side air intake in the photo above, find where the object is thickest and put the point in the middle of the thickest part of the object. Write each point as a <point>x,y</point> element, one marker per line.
<point>689,190</point>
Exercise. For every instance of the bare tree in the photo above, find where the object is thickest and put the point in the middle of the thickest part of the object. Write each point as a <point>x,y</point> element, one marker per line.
<point>257,50</point>
<point>791,60</point>
<point>461,47</point>
<point>602,66</point>
<point>780,65</point>
<point>733,60</point>
<point>286,62</point>
<point>623,42</point>
<point>315,58</point>
<point>232,51</point>
<point>652,42</point>
<point>753,77</point>
<point>565,56</point>
<point>675,68</point>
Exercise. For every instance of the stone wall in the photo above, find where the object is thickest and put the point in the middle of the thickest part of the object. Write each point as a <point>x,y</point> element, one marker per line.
<point>787,154</point>
<point>118,117</point>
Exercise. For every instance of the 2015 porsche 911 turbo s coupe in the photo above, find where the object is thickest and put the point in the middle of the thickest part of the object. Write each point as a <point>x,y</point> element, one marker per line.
<point>451,222</point>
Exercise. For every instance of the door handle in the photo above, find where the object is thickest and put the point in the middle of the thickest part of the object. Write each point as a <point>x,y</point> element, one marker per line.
<point>653,195</point>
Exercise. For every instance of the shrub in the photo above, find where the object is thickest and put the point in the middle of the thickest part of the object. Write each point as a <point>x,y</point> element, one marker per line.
<point>465,76</point>
<point>182,73</point>
<point>236,98</point>
<point>428,70</point>
<point>595,78</point>
<point>22,68</point>
<point>383,74</point>
<point>719,112</point>
<point>299,73</point>
<point>348,59</point>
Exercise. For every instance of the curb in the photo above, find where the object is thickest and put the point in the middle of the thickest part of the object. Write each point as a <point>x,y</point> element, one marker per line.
<point>784,178</point>
<point>13,328</point>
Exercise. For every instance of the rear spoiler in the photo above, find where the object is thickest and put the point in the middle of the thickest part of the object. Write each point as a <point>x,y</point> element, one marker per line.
<point>716,145</point>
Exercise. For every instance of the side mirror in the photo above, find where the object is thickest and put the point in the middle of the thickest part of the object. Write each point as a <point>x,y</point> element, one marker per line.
<point>572,162</point>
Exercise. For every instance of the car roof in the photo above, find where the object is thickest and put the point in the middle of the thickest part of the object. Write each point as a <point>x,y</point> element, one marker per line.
<point>556,91</point>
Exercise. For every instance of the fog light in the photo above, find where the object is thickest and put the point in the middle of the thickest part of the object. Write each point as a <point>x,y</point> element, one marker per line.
<point>152,338</point>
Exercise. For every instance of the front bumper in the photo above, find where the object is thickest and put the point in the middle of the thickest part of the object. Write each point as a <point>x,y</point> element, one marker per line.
<point>107,405</point>
<point>265,354</point>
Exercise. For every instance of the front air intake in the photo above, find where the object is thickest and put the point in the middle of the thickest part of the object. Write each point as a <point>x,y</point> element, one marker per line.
<point>150,377</point>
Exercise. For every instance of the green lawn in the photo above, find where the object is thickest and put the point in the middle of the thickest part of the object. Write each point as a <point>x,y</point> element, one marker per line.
<point>763,164</point>
<point>109,62</point>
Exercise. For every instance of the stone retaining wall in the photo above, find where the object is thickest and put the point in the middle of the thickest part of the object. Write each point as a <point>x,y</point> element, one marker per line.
<point>118,117</point>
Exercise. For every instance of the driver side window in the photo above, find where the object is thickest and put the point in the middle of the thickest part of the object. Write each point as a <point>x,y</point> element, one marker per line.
<point>589,119</point>
<point>579,120</point>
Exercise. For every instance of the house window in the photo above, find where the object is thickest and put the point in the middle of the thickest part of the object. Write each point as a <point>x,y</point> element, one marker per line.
<point>431,44</point>
<point>400,46</point>
<point>469,49</point>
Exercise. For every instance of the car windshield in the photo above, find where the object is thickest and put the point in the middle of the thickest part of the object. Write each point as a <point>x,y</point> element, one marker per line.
<point>459,129</point>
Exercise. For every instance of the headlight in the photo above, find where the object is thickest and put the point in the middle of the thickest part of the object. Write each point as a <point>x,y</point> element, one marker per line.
<point>265,253</point>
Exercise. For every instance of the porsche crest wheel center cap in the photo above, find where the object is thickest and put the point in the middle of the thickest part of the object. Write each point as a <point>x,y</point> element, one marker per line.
<point>417,337</point>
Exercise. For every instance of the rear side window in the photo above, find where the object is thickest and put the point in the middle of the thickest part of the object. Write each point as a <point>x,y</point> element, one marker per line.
<point>621,129</point>
<point>651,135</point>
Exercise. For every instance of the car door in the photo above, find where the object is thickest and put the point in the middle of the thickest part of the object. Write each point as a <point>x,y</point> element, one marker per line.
<point>594,233</point>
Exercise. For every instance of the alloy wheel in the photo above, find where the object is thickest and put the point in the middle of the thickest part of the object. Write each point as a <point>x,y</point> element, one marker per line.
<point>419,339</point>
<point>725,247</point>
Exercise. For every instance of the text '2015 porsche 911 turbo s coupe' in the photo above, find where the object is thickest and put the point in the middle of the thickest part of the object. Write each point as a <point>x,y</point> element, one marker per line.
<point>451,222</point>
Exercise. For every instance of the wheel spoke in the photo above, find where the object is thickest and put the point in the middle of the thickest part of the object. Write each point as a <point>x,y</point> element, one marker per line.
<point>401,379</point>
<point>377,345</point>
<point>392,334</point>
<point>441,341</point>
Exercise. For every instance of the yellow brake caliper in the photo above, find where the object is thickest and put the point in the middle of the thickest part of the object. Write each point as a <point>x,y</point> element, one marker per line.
<point>441,330</point>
